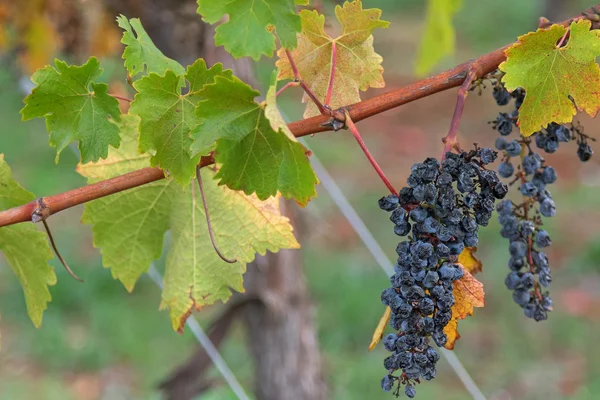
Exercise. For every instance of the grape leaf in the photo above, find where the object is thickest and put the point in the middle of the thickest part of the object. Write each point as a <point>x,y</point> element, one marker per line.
<point>167,116</point>
<point>378,334</point>
<point>140,52</point>
<point>439,38</point>
<point>129,227</point>
<point>249,31</point>
<point>253,156</point>
<point>558,81</point>
<point>468,260</point>
<point>358,67</point>
<point>26,249</point>
<point>75,108</point>
<point>468,293</point>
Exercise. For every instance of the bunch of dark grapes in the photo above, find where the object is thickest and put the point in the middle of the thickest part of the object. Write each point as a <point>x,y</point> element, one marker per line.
<point>522,223</point>
<point>440,211</point>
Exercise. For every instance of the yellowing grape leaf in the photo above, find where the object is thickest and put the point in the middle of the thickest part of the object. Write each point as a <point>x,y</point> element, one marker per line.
<point>469,261</point>
<point>253,157</point>
<point>378,334</point>
<point>358,67</point>
<point>558,81</point>
<point>468,293</point>
<point>141,52</point>
<point>251,25</point>
<point>75,108</point>
<point>26,249</point>
<point>439,38</point>
<point>129,228</point>
<point>167,116</point>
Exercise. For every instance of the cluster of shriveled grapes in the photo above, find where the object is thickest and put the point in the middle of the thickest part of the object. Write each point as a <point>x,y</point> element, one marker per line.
<point>522,221</point>
<point>441,210</point>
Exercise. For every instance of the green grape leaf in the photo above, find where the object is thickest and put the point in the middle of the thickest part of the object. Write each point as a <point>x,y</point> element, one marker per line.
<point>558,81</point>
<point>358,66</point>
<point>253,156</point>
<point>75,108</point>
<point>167,117</point>
<point>140,52</point>
<point>249,31</point>
<point>26,249</point>
<point>128,226</point>
<point>272,112</point>
<point>439,38</point>
<point>128,229</point>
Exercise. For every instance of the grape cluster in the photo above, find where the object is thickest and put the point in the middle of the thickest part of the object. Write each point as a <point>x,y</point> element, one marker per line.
<point>440,211</point>
<point>521,223</point>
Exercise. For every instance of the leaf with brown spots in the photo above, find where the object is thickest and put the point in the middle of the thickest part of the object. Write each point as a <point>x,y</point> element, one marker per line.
<point>559,81</point>
<point>468,293</point>
<point>469,261</point>
<point>358,66</point>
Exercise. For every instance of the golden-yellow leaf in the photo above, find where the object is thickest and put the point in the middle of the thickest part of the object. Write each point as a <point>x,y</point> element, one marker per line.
<point>468,293</point>
<point>358,66</point>
<point>378,334</point>
<point>468,260</point>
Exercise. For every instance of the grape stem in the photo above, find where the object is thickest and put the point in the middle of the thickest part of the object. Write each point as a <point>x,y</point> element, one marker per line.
<point>40,214</point>
<point>450,141</point>
<point>365,150</point>
<point>208,223</point>
<point>322,109</point>
<point>116,96</point>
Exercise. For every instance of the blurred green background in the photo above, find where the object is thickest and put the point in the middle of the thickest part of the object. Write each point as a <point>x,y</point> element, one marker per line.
<point>99,342</point>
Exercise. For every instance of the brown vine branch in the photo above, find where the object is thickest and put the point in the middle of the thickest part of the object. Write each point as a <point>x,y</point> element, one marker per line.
<point>208,223</point>
<point>365,150</point>
<point>438,83</point>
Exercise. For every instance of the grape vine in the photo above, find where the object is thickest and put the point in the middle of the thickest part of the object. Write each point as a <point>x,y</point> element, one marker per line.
<point>201,124</point>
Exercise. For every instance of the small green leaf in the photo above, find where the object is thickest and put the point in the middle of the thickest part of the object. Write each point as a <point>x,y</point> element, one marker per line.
<point>140,51</point>
<point>249,30</point>
<point>439,37</point>
<point>253,156</point>
<point>557,81</point>
<point>26,249</point>
<point>75,108</point>
<point>167,117</point>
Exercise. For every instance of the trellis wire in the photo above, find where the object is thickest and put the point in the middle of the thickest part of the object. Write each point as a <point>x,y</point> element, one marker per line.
<point>206,343</point>
<point>386,265</point>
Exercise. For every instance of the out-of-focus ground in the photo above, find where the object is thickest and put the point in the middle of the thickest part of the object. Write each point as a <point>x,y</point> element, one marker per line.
<point>99,342</point>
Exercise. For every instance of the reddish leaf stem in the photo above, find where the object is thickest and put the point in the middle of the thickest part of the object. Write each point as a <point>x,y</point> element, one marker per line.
<point>116,96</point>
<point>304,86</point>
<point>450,141</point>
<point>563,38</point>
<point>365,150</point>
<point>286,86</point>
<point>208,223</point>
<point>332,73</point>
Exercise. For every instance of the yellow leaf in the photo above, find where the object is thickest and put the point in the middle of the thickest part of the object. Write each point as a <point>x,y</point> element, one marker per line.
<point>469,261</point>
<point>378,334</point>
<point>41,43</point>
<point>358,66</point>
<point>439,37</point>
<point>558,80</point>
<point>468,293</point>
